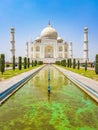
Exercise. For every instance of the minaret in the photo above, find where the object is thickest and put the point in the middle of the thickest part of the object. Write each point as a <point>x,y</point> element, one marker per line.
<point>85,48</point>
<point>27,50</point>
<point>70,51</point>
<point>12,41</point>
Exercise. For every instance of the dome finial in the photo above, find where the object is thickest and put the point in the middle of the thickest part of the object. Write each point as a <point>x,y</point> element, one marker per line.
<point>49,23</point>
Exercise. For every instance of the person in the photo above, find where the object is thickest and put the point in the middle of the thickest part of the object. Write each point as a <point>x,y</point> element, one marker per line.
<point>49,89</point>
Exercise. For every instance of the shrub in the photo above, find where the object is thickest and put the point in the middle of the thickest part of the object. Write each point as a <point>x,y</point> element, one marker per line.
<point>63,62</point>
<point>58,62</point>
<point>40,62</point>
<point>7,65</point>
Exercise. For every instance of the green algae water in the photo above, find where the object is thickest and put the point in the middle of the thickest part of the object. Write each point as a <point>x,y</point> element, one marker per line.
<point>33,108</point>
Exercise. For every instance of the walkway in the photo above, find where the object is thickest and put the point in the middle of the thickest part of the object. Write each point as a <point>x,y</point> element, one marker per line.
<point>82,81</point>
<point>11,81</point>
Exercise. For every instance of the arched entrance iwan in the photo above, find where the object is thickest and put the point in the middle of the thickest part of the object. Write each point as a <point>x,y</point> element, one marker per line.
<point>49,52</point>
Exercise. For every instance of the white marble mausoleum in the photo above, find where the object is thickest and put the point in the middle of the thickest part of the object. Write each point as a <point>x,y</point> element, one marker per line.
<point>48,47</point>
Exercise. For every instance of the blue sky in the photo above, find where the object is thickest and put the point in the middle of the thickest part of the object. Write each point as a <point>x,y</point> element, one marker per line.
<point>68,17</point>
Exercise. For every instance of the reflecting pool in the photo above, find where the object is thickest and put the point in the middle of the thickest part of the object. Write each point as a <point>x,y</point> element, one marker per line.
<point>33,108</point>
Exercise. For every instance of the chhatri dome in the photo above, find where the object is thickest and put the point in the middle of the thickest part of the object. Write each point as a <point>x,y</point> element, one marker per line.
<point>38,39</point>
<point>59,39</point>
<point>49,32</point>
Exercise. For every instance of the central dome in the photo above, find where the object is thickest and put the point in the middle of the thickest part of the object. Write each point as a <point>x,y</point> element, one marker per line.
<point>49,33</point>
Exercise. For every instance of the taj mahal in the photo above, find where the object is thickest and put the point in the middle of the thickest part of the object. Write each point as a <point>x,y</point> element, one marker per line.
<point>50,47</point>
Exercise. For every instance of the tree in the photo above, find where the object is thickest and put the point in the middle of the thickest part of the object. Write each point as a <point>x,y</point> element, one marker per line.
<point>96,64</point>
<point>2,63</point>
<point>70,63</point>
<point>25,62</point>
<point>62,62</point>
<point>20,63</point>
<point>35,63</point>
<point>13,62</point>
<point>67,62</point>
<point>78,65</point>
<point>32,63</point>
<point>28,62</point>
<point>74,63</point>
<point>86,65</point>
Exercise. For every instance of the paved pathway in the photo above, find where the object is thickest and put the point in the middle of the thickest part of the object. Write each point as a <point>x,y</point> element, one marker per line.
<point>11,81</point>
<point>86,81</point>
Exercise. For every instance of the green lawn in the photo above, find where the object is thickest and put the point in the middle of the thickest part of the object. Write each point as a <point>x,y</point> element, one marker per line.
<point>89,73</point>
<point>10,73</point>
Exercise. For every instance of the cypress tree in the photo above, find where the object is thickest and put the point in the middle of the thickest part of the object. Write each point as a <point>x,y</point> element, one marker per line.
<point>13,62</point>
<point>28,62</point>
<point>86,65</point>
<point>78,65</point>
<point>62,62</point>
<point>96,64</point>
<point>32,63</point>
<point>67,62</point>
<point>70,63</point>
<point>2,63</point>
<point>35,63</point>
<point>74,63</point>
<point>25,62</point>
<point>20,63</point>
